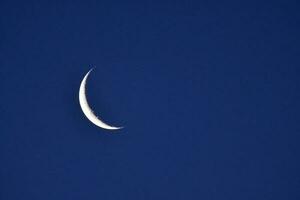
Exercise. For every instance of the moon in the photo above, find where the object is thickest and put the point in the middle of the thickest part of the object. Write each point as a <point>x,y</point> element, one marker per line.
<point>88,112</point>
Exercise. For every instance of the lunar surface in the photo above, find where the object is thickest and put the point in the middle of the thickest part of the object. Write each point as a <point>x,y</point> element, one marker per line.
<point>88,112</point>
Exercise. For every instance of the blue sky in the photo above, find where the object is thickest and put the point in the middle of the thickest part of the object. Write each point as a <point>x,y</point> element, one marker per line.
<point>208,94</point>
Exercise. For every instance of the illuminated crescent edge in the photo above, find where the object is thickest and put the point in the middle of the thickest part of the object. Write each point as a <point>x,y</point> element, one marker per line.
<point>88,112</point>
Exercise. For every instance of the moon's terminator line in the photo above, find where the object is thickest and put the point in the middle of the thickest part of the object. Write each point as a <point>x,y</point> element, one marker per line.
<point>88,112</point>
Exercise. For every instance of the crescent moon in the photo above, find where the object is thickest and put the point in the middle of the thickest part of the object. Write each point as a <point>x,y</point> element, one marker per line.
<point>88,112</point>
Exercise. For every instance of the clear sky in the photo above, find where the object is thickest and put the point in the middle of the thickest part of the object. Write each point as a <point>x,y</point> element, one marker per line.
<point>208,94</point>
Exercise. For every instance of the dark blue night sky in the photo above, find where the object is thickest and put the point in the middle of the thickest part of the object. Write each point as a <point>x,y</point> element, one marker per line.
<point>208,94</point>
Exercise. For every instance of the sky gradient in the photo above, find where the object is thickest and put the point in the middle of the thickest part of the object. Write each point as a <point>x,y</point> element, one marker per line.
<point>208,94</point>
